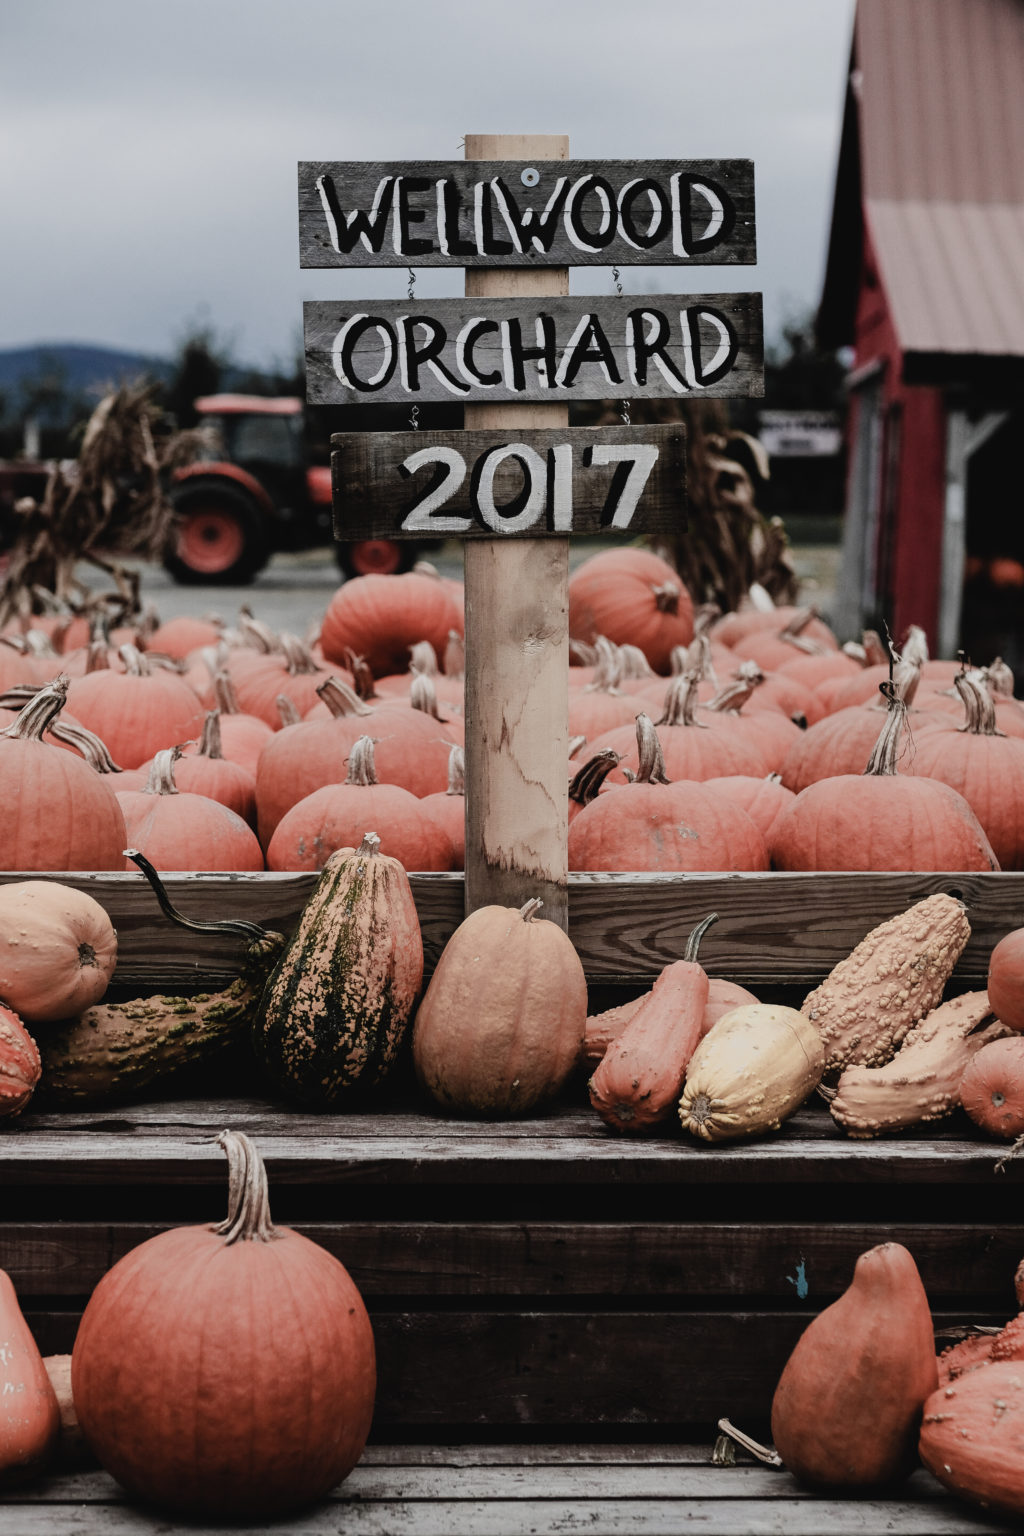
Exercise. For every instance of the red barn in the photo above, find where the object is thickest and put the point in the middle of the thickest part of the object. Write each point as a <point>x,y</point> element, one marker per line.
<point>925,282</point>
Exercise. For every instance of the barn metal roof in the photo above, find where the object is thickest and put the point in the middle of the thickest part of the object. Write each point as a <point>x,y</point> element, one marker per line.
<point>932,160</point>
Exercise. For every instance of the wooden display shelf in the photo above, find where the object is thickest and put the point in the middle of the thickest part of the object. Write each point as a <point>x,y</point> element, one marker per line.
<point>522,1490</point>
<point>543,1275</point>
<point>772,928</point>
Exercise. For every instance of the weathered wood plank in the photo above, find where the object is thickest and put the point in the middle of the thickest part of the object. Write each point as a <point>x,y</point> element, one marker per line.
<point>627,1516</point>
<point>176,1144</point>
<point>501,1369</point>
<point>792,1262</point>
<point>548,350</point>
<point>772,928</point>
<point>428,213</point>
<point>515,483</point>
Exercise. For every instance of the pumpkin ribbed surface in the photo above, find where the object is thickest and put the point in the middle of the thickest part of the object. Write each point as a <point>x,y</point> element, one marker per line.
<point>58,949</point>
<point>226,1371</point>
<point>381,617</point>
<point>338,1003</point>
<point>631,596</point>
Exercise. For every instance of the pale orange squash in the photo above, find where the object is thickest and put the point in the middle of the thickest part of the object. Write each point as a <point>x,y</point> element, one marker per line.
<point>58,949</point>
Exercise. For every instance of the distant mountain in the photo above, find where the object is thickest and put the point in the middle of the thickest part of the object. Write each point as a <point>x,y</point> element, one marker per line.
<point>78,368</point>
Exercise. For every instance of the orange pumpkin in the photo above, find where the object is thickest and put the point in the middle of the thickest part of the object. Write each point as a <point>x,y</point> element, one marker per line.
<point>880,820</point>
<point>227,1371</point>
<point>136,711</point>
<point>1006,979</point>
<point>176,829</point>
<point>992,1087</point>
<point>630,595</point>
<point>58,950</point>
<point>381,617</point>
<point>64,815</point>
<point>656,824</point>
<point>335,815</point>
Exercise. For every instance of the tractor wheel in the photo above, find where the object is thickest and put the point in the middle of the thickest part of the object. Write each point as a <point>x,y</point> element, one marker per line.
<point>376,557</point>
<point>222,537</point>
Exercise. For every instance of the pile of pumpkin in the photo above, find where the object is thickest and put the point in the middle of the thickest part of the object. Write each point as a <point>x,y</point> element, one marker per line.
<point>863,1399</point>
<point>745,741</point>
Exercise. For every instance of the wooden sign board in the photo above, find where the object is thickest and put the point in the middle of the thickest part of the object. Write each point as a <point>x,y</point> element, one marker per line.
<point>512,213</point>
<point>555,350</point>
<point>525,484</point>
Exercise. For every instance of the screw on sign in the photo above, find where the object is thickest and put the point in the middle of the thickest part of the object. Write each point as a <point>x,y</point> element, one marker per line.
<point>518,481</point>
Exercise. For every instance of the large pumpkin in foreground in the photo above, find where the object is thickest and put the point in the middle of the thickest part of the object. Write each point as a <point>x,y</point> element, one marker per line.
<point>227,1371</point>
<point>502,1022</point>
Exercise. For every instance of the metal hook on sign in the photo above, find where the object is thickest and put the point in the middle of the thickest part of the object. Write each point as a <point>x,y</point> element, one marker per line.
<point>623,404</point>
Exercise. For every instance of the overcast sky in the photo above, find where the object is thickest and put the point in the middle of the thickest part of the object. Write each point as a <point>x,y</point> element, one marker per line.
<point>150,146</point>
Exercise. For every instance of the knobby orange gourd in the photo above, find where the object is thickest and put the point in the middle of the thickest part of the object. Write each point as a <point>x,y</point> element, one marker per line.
<point>641,1074</point>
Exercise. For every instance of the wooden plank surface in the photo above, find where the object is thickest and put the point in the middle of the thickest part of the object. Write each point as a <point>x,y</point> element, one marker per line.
<point>429,213</point>
<point>596,1370</point>
<point>772,929</point>
<point>526,1490</point>
<point>579,480</point>
<point>175,1143</point>
<point>791,1262</point>
<point>650,347</point>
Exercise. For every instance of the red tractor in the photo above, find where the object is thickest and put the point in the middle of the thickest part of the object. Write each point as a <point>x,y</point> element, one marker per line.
<point>258,493</point>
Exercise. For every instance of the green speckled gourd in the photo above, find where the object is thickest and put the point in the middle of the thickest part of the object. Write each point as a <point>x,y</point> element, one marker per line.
<point>339,1001</point>
<point>115,1052</point>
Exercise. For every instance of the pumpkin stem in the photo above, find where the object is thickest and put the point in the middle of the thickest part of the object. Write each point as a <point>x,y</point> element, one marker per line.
<point>87,743</point>
<point>732,698</point>
<point>362,769</point>
<point>340,699</point>
<point>693,942</point>
<point>886,750</point>
<point>136,664</point>
<point>666,597</point>
<point>762,1452</point>
<point>299,658</point>
<point>652,758</point>
<point>161,772</point>
<point>289,711</point>
<point>456,771</point>
<point>369,847</point>
<point>423,696</point>
<point>224,692</point>
<point>999,677</point>
<point>634,663</point>
<point>531,909</point>
<point>236,925</point>
<point>248,1217</point>
<point>455,655</point>
<point>423,658</point>
<point>681,701</point>
<point>978,705</point>
<point>40,711</point>
<point>575,743</point>
<point>362,677</point>
<point>210,744</point>
<point>585,783</point>
<point>607,668</point>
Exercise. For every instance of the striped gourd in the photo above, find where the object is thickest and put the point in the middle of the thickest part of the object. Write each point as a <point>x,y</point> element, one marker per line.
<point>337,1005</point>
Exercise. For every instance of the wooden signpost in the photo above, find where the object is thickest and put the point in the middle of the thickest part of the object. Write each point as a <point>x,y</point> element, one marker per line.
<point>518,481</point>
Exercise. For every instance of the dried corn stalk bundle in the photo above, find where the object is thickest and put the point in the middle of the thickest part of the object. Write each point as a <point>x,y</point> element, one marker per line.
<point>111,501</point>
